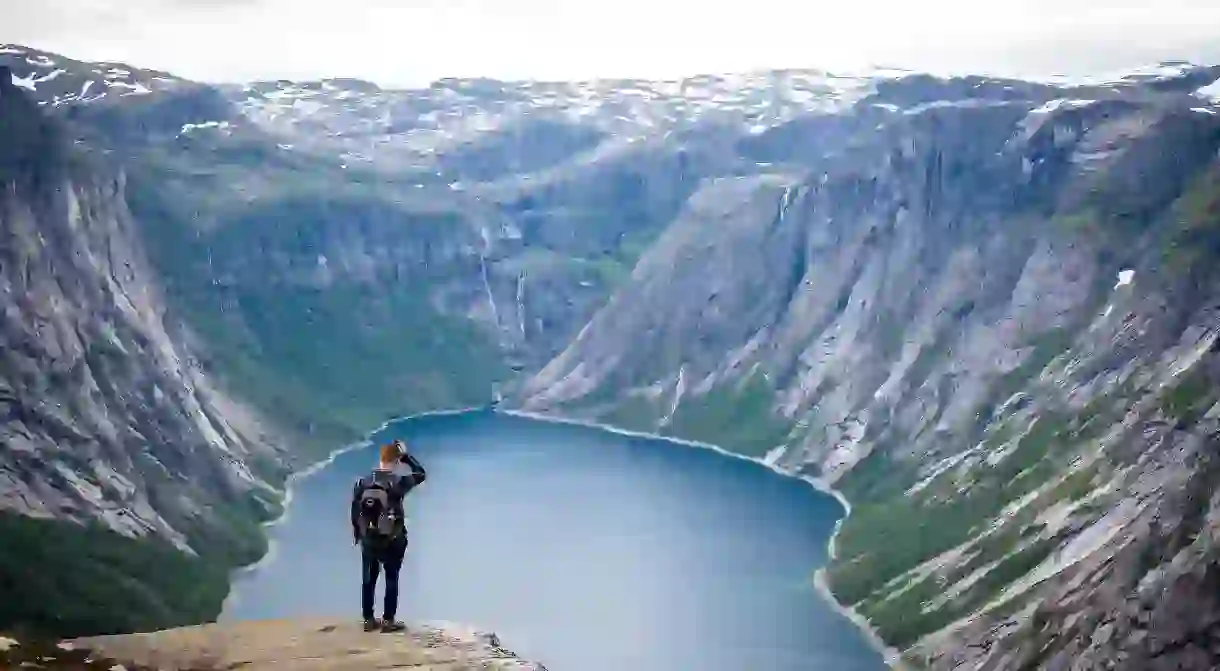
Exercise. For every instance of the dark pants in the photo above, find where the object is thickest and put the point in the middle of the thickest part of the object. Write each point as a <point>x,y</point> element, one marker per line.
<point>375,557</point>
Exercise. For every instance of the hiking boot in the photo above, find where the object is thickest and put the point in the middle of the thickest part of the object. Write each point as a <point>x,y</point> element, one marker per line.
<point>371,625</point>
<point>390,626</point>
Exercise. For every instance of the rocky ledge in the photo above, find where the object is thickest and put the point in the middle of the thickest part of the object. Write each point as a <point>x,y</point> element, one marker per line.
<point>301,645</point>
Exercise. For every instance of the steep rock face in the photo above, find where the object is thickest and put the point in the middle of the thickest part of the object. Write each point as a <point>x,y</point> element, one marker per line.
<point>992,325</point>
<point>106,414</point>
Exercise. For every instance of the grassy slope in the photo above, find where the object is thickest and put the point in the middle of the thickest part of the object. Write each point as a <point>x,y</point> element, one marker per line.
<point>327,365</point>
<point>334,363</point>
<point>737,416</point>
<point>60,578</point>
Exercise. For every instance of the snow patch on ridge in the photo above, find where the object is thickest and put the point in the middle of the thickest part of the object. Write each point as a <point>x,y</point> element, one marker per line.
<point>135,89</point>
<point>1065,103</point>
<point>24,82</point>
<point>1211,91</point>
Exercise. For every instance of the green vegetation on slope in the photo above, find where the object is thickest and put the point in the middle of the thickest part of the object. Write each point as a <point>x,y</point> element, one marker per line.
<point>329,362</point>
<point>892,531</point>
<point>60,578</point>
<point>635,413</point>
<point>739,417</point>
<point>890,534</point>
<point>336,362</point>
<point>1188,399</point>
<point>1191,238</point>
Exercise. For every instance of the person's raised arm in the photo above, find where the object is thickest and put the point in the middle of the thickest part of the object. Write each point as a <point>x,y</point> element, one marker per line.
<point>417,470</point>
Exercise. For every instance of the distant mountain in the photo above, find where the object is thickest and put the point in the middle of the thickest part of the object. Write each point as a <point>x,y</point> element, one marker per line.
<point>984,308</point>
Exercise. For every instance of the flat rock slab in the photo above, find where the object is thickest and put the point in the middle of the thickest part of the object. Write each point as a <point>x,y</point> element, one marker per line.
<point>307,645</point>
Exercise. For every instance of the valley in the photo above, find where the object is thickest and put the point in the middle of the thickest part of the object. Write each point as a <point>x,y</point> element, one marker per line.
<point>983,309</point>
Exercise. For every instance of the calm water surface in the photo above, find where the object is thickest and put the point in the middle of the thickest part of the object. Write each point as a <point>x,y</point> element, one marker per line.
<point>583,549</point>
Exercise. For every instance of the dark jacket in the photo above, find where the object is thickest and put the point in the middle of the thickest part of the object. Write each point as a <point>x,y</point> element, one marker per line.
<point>399,486</point>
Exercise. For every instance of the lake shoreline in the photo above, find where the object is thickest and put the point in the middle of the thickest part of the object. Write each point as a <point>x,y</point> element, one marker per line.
<point>821,583</point>
<point>891,655</point>
<point>294,478</point>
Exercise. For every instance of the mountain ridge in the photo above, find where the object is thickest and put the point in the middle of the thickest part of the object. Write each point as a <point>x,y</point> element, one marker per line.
<point>982,299</point>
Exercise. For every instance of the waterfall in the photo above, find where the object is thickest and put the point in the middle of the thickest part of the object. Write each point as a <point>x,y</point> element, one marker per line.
<point>786,200</point>
<point>491,299</point>
<point>679,389</point>
<point>521,303</point>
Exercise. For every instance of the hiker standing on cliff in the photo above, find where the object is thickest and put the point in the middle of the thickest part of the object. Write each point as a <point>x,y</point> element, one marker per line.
<point>379,528</point>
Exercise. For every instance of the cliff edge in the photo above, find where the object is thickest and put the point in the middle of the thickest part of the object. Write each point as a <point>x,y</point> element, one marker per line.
<point>301,645</point>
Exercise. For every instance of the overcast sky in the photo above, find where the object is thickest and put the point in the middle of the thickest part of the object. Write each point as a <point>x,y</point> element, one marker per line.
<point>412,42</point>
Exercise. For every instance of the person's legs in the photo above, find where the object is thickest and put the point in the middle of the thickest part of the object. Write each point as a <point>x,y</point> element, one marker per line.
<point>368,588</point>
<point>393,565</point>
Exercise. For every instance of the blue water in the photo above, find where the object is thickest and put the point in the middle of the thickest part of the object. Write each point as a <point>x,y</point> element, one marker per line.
<point>584,549</point>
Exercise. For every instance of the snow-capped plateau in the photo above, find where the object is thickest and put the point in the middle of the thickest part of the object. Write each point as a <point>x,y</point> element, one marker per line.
<point>57,80</point>
<point>362,124</point>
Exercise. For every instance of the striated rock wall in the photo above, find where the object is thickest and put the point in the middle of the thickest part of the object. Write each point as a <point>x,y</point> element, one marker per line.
<point>106,414</point>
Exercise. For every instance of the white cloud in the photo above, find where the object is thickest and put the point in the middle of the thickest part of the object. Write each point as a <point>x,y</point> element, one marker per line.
<point>421,40</point>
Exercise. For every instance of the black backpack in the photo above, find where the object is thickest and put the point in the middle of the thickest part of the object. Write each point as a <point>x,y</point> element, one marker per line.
<point>379,520</point>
